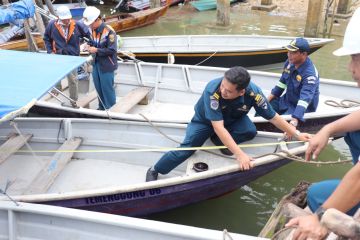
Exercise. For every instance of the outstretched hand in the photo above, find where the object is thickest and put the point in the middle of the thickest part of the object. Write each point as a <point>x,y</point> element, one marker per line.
<point>307,227</point>
<point>245,162</point>
<point>316,145</point>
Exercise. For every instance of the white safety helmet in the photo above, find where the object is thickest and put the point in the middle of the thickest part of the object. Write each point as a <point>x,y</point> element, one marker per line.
<point>351,42</point>
<point>90,15</point>
<point>63,12</point>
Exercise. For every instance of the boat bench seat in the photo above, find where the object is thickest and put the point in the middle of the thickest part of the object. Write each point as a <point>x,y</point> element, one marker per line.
<point>14,143</point>
<point>86,100</point>
<point>52,169</point>
<point>135,96</point>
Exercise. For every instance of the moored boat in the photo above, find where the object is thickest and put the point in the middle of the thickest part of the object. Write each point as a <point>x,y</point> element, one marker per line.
<point>215,50</point>
<point>120,23</point>
<point>171,92</point>
<point>100,164</point>
<point>38,221</point>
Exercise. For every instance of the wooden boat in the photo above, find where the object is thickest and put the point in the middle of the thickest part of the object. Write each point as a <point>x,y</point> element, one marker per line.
<point>37,221</point>
<point>100,165</point>
<point>203,5</point>
<point>340,225</point>
<point>171,92</point>
<point>215,50</point>
<point>120,23</point>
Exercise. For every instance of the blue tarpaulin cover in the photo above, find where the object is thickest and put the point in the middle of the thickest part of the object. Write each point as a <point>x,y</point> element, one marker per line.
<point>25,76</point>
<point>18,10</point>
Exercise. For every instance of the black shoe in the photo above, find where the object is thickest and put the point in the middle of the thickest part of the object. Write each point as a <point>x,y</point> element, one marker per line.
<point>151,175</point>
<point>216,141</point>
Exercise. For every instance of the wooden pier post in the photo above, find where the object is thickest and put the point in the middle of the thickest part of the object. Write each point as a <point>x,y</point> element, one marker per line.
<point>343,9</point>
<point>314,15</point>
<point>266,5</point>
<point>154,3</point>
<point>223,13</point>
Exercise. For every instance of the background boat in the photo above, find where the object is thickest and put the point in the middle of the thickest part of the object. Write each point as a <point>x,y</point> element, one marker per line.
<point>203,5</point>
<point>215,50</point>
<point>37,221</point>
<point>100,165</point>
<point>168,93</point>
<point>120,23</point>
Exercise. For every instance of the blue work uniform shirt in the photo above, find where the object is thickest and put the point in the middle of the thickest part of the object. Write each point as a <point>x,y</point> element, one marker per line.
<point>211,107</point>
<point>302,89</point>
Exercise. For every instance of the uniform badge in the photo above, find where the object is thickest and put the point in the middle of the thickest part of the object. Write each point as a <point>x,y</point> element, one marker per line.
<point>112,37</point>
<point>252,94</point>
<point>214,104</point>
<point>298,78</point>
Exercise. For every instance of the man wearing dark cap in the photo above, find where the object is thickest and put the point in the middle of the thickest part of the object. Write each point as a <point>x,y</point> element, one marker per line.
<point>300,80</point>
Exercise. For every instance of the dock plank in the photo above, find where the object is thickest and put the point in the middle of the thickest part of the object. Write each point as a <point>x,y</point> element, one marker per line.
<point>13,144</point>
<point>52,169</point>
<point>131,99</point>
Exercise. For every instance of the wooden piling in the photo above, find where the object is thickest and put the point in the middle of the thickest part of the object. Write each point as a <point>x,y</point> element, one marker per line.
<point>342,10</point>
<point>266,5</point>
<point>154,3</point>
<point>223,13</point>
<point>313,19</point>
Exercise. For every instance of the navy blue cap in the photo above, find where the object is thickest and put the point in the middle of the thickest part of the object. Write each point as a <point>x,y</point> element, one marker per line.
<point>298,44</point>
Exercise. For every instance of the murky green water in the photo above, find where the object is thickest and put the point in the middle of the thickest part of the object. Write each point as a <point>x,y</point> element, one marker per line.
<point>247,209</point>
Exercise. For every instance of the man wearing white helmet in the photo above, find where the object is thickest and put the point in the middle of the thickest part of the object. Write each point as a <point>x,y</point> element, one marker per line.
<point>342,195</point>
<point>62,36</point>
<point>103,46</point>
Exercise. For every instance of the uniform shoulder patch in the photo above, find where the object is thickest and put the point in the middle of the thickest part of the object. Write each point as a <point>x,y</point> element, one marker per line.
<point>112,37</point>
<point>214,103</point>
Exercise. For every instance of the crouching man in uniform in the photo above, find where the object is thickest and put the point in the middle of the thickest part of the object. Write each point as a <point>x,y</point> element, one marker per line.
<point>300,81</point>
<point>221,114</point>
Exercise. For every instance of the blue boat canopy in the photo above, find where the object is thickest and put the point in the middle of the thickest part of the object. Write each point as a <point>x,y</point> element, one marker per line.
<point>18,10</point>
<point>26,77</point>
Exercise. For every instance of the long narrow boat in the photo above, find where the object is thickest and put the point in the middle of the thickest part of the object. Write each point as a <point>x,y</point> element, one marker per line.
<point>120,23</point>
<point>171,92</point>
<point>215,50</point>
<point>100,165</point>
<point>37,222</point>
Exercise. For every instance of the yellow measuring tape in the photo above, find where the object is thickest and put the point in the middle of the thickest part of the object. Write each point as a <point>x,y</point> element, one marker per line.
<point>160,149</point>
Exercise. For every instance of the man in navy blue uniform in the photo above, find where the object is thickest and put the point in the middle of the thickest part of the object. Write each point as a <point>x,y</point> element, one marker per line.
<point>103,46</point>
<point>221,113</point>
<point>62,36</point>
<point>300,81</point>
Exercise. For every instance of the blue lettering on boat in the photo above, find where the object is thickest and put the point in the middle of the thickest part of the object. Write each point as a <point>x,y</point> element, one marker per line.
<point>122,196</point>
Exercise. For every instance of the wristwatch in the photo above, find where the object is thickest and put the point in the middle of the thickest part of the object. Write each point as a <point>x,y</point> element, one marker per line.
<point>320,212</point>
<point>294,123</point>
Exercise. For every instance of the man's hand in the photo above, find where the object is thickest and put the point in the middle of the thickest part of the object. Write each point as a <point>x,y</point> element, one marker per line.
<point>92,50</point>
<point>308,227</point>
<point>316,144</point>
<point>245,161</point>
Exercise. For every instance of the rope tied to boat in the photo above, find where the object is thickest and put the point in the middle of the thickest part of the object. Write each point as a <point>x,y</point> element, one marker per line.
<point>278,233</point>
<point>8,183</point>
<point>226,235</point>
<point>290,156</point>
<point>346,103</point>
<point>206,59</point>
<point>282,153</point>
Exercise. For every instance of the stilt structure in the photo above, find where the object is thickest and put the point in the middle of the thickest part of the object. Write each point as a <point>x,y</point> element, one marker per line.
<point>313,19</point>
<point>343,9</point>
<point>266,5</point>
<point>223,13</point>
